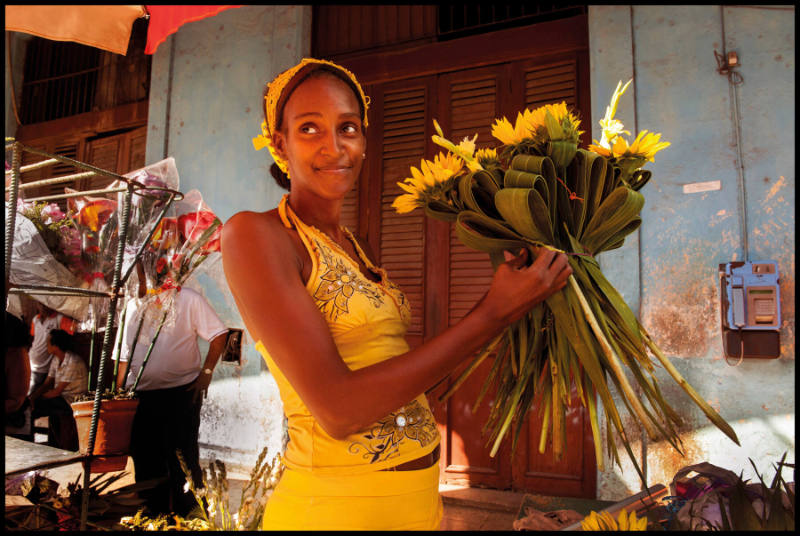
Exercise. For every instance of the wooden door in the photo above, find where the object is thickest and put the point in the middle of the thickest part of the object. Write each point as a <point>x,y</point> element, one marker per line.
<point>443,278</point>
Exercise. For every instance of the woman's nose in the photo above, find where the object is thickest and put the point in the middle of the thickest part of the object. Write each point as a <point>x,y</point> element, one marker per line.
<point>331,144</point>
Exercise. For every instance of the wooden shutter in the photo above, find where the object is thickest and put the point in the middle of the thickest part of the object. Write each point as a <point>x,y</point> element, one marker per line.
<point>469,103</point>
<point>119,153</point>
<point>402,236</point>
<point>349,217</point>
<point>548,82</point>
<point>551,83</point>
<point>71,148</point>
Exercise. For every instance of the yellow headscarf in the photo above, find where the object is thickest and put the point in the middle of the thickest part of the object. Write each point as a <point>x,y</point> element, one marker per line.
<point>274,92</point>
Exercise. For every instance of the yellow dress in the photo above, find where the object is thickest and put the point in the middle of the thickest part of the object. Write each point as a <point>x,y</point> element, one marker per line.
<point>332,484</point>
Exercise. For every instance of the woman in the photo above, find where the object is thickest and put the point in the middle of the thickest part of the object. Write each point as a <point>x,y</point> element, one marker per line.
<point>363,444</point>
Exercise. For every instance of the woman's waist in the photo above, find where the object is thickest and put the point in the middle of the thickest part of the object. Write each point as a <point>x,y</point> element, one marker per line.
<point>406,434</point>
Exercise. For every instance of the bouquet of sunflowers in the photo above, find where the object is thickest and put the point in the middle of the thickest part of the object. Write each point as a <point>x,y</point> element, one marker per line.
<point>540,190</point>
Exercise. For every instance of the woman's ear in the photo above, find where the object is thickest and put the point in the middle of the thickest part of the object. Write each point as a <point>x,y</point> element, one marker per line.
<point>279,144</point>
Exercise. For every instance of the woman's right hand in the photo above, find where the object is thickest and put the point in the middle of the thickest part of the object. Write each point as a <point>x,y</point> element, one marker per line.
<point>516,287</point>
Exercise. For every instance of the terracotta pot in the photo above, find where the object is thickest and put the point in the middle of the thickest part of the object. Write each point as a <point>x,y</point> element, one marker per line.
<point>113,436</point>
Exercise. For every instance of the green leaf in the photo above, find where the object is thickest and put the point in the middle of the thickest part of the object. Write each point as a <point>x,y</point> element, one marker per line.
<point>526,211</point>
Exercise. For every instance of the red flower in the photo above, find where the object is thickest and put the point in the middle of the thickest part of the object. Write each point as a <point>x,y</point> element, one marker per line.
<point>194,224</point>
<point>161,265</point>
<point>96,213</point>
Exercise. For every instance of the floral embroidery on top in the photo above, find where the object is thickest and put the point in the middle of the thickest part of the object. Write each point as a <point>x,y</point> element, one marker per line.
<point>413,421</point>
<point>338,284</point>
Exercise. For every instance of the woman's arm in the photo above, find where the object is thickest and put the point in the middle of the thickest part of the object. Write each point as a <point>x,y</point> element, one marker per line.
<point>263,270</point>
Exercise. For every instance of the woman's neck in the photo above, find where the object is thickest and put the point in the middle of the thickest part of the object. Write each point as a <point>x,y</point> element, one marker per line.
<point>321,213</point>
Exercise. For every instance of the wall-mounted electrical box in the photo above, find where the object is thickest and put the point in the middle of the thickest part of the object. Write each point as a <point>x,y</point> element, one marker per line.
<point>751,309</point>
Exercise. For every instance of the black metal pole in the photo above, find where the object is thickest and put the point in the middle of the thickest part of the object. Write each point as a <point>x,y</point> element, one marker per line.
<point>112,308</point>
<point>11,212</point>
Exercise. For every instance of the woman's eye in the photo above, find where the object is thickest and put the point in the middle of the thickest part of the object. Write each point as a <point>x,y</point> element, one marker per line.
<point>308,129</point>
<point>350,128</point>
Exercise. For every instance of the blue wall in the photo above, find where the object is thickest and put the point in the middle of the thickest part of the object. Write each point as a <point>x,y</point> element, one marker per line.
<point>668,271</point>
<point>205,107</point>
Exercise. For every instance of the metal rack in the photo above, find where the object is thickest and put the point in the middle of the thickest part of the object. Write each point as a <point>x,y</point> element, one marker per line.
<point>119,279</point>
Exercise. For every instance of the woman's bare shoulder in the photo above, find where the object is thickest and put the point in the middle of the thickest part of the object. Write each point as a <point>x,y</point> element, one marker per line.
<point>246,226</point>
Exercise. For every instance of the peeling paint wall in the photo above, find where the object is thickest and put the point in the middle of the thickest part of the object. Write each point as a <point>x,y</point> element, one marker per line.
<point>205,107</point>
<point>667,271</point>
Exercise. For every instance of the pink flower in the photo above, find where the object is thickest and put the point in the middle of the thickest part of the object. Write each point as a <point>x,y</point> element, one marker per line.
<point>52,214</point>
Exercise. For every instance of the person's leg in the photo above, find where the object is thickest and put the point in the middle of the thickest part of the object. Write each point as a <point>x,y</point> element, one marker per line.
<point>184,437</point>
<point>149,450</point>
<point>62,431</point>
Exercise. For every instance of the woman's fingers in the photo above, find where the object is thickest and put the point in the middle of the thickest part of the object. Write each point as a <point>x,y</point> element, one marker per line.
<point>516,261</point>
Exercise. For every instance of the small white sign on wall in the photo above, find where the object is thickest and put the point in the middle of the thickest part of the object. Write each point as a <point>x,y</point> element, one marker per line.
<point>697,187</point>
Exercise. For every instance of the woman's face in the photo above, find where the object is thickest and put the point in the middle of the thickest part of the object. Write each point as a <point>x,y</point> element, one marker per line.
<point>322,137</point>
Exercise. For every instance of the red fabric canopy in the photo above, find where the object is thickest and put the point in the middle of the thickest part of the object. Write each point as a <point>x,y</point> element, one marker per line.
<point>165,20</point>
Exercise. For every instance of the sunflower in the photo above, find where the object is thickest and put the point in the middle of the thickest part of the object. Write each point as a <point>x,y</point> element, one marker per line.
<point>554,122</point>
<point>645,146</point>
<point>511,135</point>
<point>427,182</point>
<point>487,158</point>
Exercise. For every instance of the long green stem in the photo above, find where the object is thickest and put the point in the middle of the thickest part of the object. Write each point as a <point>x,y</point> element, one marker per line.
<point>471,368</point>
<point>149,351</point>
<point>708,410</point>
<point>614,362</point>
<point>133,349</point>
<point>592,405</point>
<point>120,330</point>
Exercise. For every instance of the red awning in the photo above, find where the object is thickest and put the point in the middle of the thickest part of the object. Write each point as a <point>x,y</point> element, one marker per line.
<point>104,27</point>
<point>165,20</point>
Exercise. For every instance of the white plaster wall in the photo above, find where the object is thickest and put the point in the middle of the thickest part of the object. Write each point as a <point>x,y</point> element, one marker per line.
<point>667,271</point>
<point>205,107</point>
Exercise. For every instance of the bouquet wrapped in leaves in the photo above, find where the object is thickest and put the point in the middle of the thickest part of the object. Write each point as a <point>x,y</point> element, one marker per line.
<point>542,191</point>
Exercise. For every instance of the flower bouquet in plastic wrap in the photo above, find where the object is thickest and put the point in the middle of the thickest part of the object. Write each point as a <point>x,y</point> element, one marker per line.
<point>182,241</point>
<point>47,251</point>
<point>540,190</point>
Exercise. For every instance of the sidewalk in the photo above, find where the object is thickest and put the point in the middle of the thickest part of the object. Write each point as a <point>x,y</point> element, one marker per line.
<point>464,508</point>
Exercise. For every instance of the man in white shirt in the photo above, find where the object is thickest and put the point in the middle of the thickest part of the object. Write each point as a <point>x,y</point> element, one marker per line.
<point>66,380</point>
<point>45,321</point>
<point>170,391</point>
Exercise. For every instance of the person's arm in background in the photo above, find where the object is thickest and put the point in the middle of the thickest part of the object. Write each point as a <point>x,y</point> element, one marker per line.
<point>56,390</point>
<point>215,348</point>
<point>48,384</point>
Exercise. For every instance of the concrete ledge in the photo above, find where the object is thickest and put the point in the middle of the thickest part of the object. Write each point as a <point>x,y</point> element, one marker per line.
<point>487,499</point>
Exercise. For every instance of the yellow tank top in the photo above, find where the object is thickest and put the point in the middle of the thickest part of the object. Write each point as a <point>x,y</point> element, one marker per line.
<point>368,321</point>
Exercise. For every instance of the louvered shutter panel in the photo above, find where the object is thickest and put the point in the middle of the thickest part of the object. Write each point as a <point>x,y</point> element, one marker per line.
<point>551,83</point>
<point>137,147</point>
<point>470,108</point>
<point>473,108</point>
<point>402,235</point>
<point>349,216</point>
<point>68,148</point>
<point>31,176</point>
<point>104,153</point>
